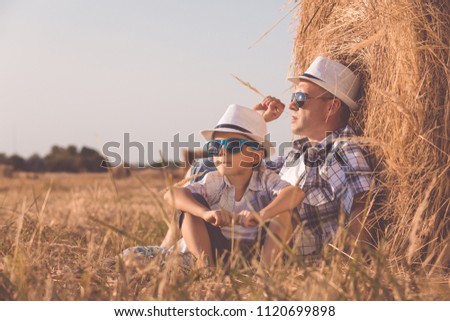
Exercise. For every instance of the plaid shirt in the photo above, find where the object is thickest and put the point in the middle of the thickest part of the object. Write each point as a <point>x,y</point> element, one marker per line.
<point>330,173</point>
<point>264,185</point>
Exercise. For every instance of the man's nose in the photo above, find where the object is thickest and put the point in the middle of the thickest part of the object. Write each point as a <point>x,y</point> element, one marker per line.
<point>293,106</point>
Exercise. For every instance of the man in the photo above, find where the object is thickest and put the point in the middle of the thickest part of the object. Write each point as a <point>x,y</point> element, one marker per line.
<point>323,162</point>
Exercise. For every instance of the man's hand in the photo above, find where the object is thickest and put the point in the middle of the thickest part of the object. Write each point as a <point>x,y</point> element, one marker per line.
<point>217,218</point>
<point>270,108</point>
<point>248,218</point>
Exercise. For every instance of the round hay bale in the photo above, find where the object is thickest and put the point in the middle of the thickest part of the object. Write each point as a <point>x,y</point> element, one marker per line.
<point>401,50</point>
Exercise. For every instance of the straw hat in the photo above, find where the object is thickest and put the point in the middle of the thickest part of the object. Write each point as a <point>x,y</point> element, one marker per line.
<point>335,78</point>
<point>245,121</point>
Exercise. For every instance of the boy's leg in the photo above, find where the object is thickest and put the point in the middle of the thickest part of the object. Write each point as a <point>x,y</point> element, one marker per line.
<point>280,230</point>
<point>197,239</point>
<point>201,237</point>
<point>199,166</point>
<point>172,236</point>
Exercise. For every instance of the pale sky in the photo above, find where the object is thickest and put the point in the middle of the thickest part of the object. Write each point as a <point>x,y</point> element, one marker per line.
<point>85,72</point>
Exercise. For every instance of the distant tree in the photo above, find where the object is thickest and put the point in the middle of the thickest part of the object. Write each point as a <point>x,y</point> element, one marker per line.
<point>4,159</point>
<point>17,162</point>
<point>63,160</point>
<point>72,150</point>
<point>90,160</point>
<point>35,164</point>
<point>56,150</point>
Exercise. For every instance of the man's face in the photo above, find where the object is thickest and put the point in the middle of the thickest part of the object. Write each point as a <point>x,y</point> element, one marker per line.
<point>312,116</point>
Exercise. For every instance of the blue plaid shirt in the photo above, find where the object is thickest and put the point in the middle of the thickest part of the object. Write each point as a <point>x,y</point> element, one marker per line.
<point>330,173</point>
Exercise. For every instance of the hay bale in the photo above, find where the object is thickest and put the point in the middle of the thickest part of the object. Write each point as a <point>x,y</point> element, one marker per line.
<point>6,170</point>
<point>120,172</point>
<point>401,49</point>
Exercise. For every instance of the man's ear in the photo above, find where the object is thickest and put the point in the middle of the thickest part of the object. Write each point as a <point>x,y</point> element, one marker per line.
<point>335,106</point>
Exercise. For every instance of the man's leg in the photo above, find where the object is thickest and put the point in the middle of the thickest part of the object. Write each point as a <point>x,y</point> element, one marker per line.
<point>280,230</point>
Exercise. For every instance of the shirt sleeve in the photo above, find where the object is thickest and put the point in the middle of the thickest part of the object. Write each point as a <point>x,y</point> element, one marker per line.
<point>198,187</point>
<point>274,183</point>
<point>208,187</point>
<point>276,165</point>
<point>344,175</point>
<point>358,174</point>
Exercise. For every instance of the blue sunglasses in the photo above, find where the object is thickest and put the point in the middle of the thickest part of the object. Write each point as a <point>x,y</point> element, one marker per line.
<point>232,145</point>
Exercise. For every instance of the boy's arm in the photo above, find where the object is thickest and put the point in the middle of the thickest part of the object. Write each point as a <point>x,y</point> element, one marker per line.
<point>181,198</point>
<point>287,199</point>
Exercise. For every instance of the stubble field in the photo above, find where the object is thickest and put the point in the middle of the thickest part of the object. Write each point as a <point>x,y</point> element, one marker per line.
<point>60,234</point>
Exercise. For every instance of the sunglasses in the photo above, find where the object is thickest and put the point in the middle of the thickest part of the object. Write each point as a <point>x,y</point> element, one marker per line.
<point>232,145</point>
<point>300,98</point>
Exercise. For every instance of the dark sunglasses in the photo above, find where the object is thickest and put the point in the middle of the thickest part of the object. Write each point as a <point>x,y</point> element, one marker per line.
<point>232,145</point>
<point>300,98</point>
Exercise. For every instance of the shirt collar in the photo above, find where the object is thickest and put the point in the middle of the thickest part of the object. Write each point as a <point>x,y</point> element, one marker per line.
<point>254,184</point>
<point>346,131</point>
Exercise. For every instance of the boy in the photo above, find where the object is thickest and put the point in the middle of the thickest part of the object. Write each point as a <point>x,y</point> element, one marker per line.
<point>227,206</point>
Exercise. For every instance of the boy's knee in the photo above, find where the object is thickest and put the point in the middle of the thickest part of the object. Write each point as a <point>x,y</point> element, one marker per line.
<point>190,218</point>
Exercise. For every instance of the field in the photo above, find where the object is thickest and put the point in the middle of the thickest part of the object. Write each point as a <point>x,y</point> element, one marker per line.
<point>61,232</point>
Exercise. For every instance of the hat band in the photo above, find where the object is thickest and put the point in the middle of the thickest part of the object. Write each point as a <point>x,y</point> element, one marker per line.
<point>311,76</point>
<point>231,126</point>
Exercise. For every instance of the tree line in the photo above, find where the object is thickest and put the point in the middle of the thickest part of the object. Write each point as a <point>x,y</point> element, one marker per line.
<point>59,159</point>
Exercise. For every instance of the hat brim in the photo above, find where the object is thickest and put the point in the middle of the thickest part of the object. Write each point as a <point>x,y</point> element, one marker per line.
<point>208,135</point>
<point>353,105</point>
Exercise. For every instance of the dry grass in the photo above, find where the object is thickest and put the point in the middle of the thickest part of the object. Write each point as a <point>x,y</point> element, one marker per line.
<point>53,248</point>
<point>401,49</point>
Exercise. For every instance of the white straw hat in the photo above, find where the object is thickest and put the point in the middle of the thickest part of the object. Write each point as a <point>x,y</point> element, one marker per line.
<point>335,78</point>
<point>245,121</point>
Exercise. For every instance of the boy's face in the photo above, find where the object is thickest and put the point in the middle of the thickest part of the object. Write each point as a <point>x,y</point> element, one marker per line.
<point>239,163</point>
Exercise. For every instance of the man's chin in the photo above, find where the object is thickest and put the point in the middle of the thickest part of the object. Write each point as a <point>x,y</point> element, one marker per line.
<point>296,130</point>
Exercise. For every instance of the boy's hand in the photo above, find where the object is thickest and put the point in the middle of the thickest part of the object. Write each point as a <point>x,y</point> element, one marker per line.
<point>248,218</point>
<point>270,108</point>
<point>217,218</point>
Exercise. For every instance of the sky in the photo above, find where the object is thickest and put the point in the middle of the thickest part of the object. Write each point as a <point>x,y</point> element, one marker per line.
<point>86,72</point>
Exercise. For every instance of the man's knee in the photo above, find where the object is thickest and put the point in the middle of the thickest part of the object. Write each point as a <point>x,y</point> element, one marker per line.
<point>281,225</point>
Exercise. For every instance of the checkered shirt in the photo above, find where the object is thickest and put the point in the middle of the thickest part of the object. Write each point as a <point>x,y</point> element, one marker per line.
<point>263,187</point>
<point>330,173</point>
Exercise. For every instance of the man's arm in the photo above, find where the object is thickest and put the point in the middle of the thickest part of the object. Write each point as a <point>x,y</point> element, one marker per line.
<point>357,224</point>
<point>270,108</point>
<point>287,199</point>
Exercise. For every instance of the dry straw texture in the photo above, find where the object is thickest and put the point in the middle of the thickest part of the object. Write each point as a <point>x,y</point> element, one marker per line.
<point>401,49</point>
